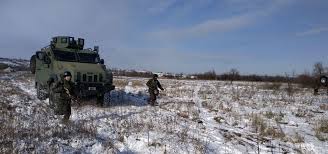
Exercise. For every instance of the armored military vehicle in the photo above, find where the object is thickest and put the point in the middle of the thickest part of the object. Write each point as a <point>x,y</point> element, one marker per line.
<point>89,74</point>
<point>322,83</point>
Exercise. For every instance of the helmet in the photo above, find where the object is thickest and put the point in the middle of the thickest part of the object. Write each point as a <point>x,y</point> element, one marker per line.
<point>67,73</point>
<point>155,76</point>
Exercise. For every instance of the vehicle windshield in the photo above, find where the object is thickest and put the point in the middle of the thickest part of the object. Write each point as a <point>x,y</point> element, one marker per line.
<point>65,56</point>
<point>88,57</point>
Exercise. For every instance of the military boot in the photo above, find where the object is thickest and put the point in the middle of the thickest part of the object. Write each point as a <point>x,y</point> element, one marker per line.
<point>66,118</point>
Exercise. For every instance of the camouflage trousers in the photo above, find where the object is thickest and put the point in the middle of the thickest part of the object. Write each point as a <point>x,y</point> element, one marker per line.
<point>64,108</point>
<point>153,96</point>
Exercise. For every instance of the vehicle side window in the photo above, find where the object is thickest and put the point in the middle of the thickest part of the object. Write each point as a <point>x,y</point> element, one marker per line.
<point>71,39</point>
<point>64,40</point>
<point>40,55</point>
<point>81,41</point>
<point>47,60</point>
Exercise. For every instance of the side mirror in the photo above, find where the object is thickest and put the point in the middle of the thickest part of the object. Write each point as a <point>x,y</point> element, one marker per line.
<point>96,48</point>
<point>47,60</point>
<point>102,61</point>
<point>80,43</point>
<point>40,55</point>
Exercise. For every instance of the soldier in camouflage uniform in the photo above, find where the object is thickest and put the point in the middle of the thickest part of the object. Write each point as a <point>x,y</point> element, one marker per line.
<point>153,85</point>
<point>65,90</point>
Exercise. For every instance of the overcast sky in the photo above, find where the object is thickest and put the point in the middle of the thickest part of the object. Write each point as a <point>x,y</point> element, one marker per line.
<point>254,36</point>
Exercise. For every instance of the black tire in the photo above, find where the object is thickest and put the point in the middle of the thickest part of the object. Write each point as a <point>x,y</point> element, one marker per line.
<point>323,80</point>
<point>103,99</point>
<point>106,98</point>
<point>51,97</point>
<point>33,64</point>
<point>41,95</point>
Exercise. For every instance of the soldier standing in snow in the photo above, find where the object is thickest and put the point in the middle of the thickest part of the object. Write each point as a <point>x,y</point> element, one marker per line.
<point>65,88</point>
<point>153,85</point>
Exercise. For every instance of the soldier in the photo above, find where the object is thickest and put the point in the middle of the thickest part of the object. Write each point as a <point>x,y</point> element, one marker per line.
<point>153,85</point>
<point>65,89</point>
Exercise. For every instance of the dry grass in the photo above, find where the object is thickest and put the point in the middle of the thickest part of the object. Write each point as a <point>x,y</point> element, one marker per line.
<point>321,130</point>
<point>7,133</point>
<point>183,114</point>
<point>271,86</point>
<point>138,83</point>
<point>186,109</point>
<point>320,136</point>
<point>199,146</point>
<point>324,107</point>
<point>301,112</point>
<point>219,119</point>
<point>269,114</point>
<point>225,108</point>
<point>279,117</point>
<point>258,123</point>
<point>180,92</point>
<point>120,83</point>
<point>261,127</point>
<point>274,133</point>
<point>183,135</point>
<point>298,138</point>
<point>323,126</point>
<point>209,105</point>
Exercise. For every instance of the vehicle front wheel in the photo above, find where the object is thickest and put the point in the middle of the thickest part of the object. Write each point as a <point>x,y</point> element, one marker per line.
<point>107,98</point>
<point>40,92</point>
<point>323,80</point>
<point>51,98</point>
<point>103,99</point>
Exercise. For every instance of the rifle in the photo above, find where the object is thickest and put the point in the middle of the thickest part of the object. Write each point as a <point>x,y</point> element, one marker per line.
<point>73,99</point>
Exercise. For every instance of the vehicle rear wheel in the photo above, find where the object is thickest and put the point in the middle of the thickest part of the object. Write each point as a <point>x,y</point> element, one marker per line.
<point>107,98</point>
<point>51,97</point>
<point>32,64</point>
<point>103,99</point>
<point>40,92</point>
<point>323,80</point>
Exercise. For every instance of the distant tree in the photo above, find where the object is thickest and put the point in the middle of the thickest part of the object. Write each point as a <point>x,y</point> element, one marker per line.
<point>3,66</point>
<point>210,75</point>
<point>289,89</point>
<point>306,80</point>
<point>318,69</point>
<point>233,75</point>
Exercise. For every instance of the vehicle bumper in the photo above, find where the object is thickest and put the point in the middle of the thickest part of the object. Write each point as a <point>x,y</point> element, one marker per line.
<point>92,89</point>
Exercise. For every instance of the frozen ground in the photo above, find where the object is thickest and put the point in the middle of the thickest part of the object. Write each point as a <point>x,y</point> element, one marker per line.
<point>192,117</point>
<point>15,62</point>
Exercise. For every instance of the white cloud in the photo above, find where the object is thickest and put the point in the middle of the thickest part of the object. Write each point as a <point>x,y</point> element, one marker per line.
<point>242,20</point>
<point>313,31</point>
<point>161,6</point>
<point>206,27</point>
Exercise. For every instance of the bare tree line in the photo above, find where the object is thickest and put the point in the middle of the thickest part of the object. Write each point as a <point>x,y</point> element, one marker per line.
<point>306,79</point>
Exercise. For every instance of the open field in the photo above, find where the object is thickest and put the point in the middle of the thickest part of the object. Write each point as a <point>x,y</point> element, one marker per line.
<point>192,117</point>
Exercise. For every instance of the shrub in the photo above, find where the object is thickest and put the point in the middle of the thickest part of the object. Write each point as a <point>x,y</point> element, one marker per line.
<point>321,130</point>
<point>323,126</point>
<point>298,138</point>
<point>3,66</point>
<point>272,86</point>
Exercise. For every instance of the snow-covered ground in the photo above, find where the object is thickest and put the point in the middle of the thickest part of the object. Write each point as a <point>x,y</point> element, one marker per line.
<point>192,117</point>
<point>15,62</point>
